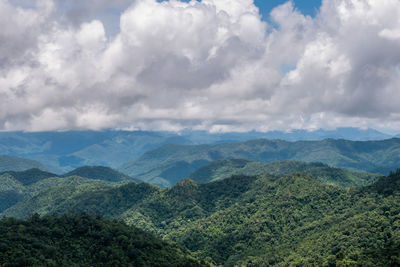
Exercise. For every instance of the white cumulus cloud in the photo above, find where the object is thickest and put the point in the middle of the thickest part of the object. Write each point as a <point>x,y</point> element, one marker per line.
<point>210,64</point>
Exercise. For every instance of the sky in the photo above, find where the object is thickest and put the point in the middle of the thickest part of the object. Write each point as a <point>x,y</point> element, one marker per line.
<point>216,65</point>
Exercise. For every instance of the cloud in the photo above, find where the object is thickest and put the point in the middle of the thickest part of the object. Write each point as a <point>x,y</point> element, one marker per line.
<point>210,64</point>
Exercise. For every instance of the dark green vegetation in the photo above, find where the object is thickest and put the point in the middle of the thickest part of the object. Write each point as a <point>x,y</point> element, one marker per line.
<point>170,163</point>
<point>19,186</point>
<point>62,197</point>
<point>100,173</point>
<point>297,221</point>
<point>30,176</point>
<point>225,168</point>
<point>84,240</point>
<point>9,163</point>
<point>257,220</point>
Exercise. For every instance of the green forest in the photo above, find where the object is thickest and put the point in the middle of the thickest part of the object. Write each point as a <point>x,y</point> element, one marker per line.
<point>280,219</point>
<point>84,240</point>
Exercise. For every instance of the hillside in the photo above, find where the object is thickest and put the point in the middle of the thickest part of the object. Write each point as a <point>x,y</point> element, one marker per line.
<point>170,163</point>
<point>13,185</point>
<point>225,168</point>
<point>30,176</point>
<point>9,163</point>
<point>119,201</point>
<point>18,186</point>
<point>84,240</point>
<point>100,173</point>
<point>296,221</point>
<point>253,220</point>
<point>47,200</point>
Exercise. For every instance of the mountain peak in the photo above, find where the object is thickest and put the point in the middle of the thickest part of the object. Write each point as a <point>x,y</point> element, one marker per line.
<point>185,188</point>
<point>100,173</point>
<point>187,183</point>
<point>30,176</point>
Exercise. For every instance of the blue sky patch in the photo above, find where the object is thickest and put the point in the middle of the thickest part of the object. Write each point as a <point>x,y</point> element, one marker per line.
<point>286,68</point>
<point>307,7</point>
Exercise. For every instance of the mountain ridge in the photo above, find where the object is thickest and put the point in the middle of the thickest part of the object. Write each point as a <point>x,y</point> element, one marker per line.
<point>371,156</point>
<point>100,173</point>
<point>224,168</point>
<point>12,163</point>
<point>65,151</point>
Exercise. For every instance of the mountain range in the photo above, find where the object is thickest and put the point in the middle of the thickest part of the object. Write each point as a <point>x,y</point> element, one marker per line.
<point>64,151</point>
<point>59,194</point>
<point>224,168</point>
<point>241,203</point>
<point>258,220</point>
<point>170,163</point>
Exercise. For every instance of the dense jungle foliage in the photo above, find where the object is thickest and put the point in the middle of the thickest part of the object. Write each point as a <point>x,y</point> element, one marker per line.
<point>84,240</point>
<point>256,220</point>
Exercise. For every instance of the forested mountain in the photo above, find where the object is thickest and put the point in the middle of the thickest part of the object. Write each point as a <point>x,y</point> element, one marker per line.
<point>101,173</point>
<point>297,221</point>
<point>12,191</point>
<point>257,220</point>
<point>18,186</point>
<point>170,163</point>
<point>225,168</point>
<point>84,240</point>
<point>30,176</point>
<point>9,163</point>
<point>64,151</point>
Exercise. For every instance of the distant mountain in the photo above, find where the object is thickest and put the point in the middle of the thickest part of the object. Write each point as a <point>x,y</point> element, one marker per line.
<point>257,220</point>
<point>349,133</point>
<point>65,151</point>
<point>9,163</point>
<point>101,173</point>
<point>170,163</point>
<point>225,168</point>
<point>85,240</point>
